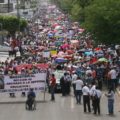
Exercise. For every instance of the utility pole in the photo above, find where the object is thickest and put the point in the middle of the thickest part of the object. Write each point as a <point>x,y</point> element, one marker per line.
<point>8,6</point>
<point>18,13</point>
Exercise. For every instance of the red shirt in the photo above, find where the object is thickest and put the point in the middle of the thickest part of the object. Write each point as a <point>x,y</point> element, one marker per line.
<point>53,81</point>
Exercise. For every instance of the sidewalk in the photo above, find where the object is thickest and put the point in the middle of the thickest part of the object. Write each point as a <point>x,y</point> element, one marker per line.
<point>118,91</point>
<point>6,99</point>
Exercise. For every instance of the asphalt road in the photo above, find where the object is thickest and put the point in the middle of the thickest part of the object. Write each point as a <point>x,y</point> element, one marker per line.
<point>64,108</point>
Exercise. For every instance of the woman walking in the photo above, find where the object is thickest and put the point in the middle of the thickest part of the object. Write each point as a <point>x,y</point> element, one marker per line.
<point>111,98</point>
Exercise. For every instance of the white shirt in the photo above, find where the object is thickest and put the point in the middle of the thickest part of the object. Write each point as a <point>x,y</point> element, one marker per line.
<point>99,93</point>
<point>74,77</point>
<point>93,88</point>
<point>113,74</point>
<point>85,90</point>
<point>79,84</point>
<point>88,72</point>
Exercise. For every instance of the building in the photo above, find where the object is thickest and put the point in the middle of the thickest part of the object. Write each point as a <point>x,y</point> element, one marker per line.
<point>6,6</point>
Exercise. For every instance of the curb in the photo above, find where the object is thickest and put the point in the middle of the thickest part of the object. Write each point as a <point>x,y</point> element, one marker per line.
<point>20,102</point>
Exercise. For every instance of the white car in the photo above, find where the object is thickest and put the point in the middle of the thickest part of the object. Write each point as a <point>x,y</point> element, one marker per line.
<point>58,74</point>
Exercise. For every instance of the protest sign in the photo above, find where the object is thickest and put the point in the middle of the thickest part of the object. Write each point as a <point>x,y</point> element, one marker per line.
<point>23,82</point>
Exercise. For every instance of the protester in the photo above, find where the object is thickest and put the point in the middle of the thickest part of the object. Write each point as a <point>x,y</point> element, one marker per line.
<point>63,84</point>
<point>78,89</point>
<point>113,78</point>
<point>96,100</point>
<point>59,43</point>
<point>111,98</point>
<point>74,78</point>
<point>52,87</point>
<point>86,98</point>
<point>93,88</point>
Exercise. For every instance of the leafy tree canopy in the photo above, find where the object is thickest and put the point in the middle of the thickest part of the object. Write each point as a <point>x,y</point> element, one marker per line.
<point>12,24</point>
<point>102,19</point>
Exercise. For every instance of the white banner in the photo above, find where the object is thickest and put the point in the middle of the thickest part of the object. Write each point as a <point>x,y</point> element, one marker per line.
<point>46,54</point>
<point>22,83</point>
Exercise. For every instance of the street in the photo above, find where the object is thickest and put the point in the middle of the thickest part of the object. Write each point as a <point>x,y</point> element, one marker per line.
<point>51,50</point>
<point>64,108</point>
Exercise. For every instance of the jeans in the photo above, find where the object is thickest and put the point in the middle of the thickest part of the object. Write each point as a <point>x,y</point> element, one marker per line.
<point>110,106</point>
<point>78,94</point>
<point>52,93</point>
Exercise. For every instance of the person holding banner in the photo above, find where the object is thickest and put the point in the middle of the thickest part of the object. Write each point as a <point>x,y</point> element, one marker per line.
<point>52,87</point>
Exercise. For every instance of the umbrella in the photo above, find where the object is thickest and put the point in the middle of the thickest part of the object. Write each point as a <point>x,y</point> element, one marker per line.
<point>55,24</point>
<point>50,35</point>
<point>61,53</point>
<point>102,60</point>
<point>60,60</point>
<point>81,30</point>
<point>68,57</point>
<point>58,27</point>
<point>81,50</point>
<point>70,52</point>
<point>74,41</point>
<point>89,53</point>
<point>97,49</point>
<point>65,46</point>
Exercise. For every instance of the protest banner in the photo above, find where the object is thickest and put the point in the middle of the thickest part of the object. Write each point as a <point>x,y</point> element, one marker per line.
<point>46,54</point>
<point>23,82</point>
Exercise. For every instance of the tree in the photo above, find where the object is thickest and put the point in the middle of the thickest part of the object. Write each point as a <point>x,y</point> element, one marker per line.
<point>12,24</point>
<point>23,24</point>
<point>65,5</point>
<point>102,19</point>
<point>75,12</point>
<point>84,3</point>
<point>74,7</point>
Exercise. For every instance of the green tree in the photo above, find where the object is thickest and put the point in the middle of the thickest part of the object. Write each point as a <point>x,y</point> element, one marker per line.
<point>102,19</point>
<point>12,24</point>
<point>74,7</point>
<point>65,5</point>
<point>75,12</point>
<point>84,3</point>
<point>23,24</point>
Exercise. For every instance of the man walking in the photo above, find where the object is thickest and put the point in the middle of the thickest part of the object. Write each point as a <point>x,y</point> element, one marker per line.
<point>78,89</point>
<point>96,100</point>
<point>86,98</point>
<point>113,78</point>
